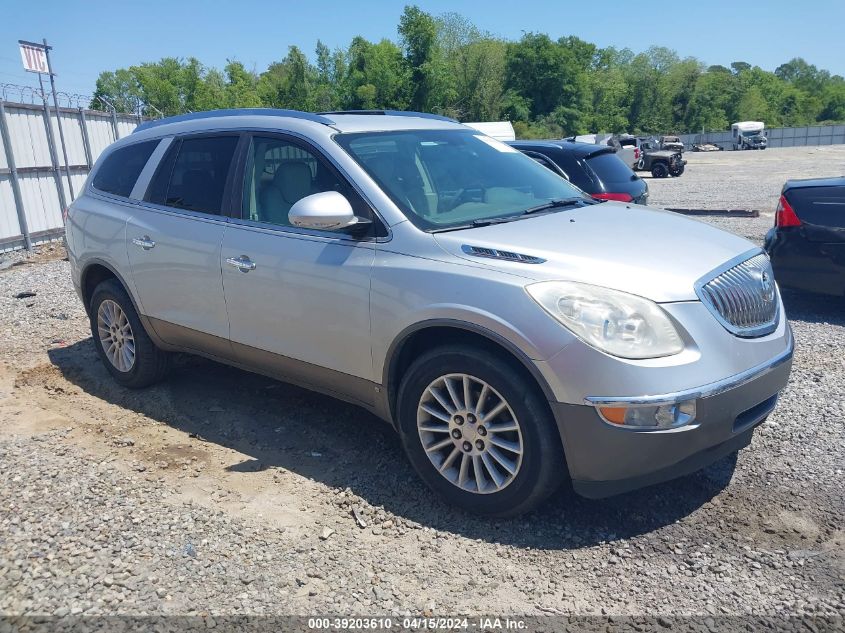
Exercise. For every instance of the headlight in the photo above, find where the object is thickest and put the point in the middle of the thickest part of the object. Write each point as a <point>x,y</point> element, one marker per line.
<point>615,322</point>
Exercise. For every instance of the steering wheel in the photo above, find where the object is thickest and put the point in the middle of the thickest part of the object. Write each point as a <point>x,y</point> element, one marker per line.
<point>464,193</point>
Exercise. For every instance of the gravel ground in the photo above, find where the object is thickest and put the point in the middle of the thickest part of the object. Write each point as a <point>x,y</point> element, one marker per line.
<point>221,492</point>
<point>743,180</point>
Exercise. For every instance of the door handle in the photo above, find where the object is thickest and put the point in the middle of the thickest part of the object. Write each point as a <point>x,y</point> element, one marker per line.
<point>144,242</point>
<point>242,263</point>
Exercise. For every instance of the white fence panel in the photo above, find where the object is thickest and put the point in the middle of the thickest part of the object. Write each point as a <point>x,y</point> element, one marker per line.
<point>9,225</point>
<point>41,201</point>
<point>100,133</point>
<point>74,144</point>
<point>29,136</point>
<point>30,144</point>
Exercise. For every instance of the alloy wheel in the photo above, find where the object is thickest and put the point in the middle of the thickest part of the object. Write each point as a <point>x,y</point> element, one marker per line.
<point>116,335</point>
<point>470,433</point>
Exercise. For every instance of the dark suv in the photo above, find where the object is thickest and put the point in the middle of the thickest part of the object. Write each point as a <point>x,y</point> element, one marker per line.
<point>594,169</point>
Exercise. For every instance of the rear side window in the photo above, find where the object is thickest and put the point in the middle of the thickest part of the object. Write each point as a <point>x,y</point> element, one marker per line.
<point>822,206</point>
<point>610,168</point>
<point>120,169</point>
<point>193,176</point>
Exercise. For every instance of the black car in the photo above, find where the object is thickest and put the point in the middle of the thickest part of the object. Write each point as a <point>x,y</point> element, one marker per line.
<point>807,243</point>
<point>594,169</point>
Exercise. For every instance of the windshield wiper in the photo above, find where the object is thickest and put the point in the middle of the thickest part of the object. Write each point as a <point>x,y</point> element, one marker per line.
<point>489,221</point>
<point>551,204</point>
<point>555,204</point>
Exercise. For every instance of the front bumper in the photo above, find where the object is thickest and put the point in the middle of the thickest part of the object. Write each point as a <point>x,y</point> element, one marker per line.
<point>605,459</point>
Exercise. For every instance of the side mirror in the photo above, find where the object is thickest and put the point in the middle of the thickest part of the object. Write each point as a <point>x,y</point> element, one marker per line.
<point>326,211</point>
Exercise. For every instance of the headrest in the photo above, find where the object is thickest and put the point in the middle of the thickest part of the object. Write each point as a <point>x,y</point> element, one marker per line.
<point>293,180</point>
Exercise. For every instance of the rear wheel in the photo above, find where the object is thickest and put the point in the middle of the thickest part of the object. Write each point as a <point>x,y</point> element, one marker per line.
<point>659,170</point>
<point>478,432</point>
<point>123,345</point>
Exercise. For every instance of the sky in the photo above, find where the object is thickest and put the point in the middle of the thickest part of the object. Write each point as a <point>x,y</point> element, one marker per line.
<point>90,37</point>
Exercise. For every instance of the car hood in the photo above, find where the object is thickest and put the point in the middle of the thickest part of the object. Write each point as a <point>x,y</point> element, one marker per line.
<point>648,252</point>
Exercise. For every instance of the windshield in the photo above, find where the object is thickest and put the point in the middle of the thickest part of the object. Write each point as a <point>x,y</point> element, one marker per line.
<point>752,132</point>
<point>444,179</point>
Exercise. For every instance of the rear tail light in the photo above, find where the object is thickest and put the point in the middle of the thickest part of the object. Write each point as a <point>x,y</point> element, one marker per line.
<point>636,153</point>
<point>619,197</point>
<point>785,214</point>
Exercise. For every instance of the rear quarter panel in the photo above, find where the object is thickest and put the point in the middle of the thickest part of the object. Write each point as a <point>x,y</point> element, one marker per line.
<point>96,232</point>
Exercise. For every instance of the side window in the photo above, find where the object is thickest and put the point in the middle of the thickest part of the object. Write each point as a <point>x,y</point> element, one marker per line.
<point>544,161</point>
<point>120,170</point>
<point>193,176</point>
<point>279,173</point>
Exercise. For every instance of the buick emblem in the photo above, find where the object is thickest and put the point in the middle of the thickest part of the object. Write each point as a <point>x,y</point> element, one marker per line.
<point>767,287</point>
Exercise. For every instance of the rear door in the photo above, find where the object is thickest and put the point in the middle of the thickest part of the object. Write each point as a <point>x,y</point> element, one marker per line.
<point>174,240</point>
<point>298,300</point>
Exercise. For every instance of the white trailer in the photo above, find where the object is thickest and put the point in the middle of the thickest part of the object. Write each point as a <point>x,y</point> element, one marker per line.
<point>749,135</point>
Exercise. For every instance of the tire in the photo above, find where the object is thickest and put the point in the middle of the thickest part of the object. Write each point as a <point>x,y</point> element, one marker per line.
<point>534,475</point>
<point>112,309</point>
<point>659,170</point>
<point>677,171</point>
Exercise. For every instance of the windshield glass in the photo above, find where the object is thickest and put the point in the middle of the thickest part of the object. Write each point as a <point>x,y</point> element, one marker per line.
<point>752,133</point>
<point>450,178</point>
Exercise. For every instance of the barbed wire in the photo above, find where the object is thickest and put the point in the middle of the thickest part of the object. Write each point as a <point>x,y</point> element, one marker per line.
<point>25,94</point>
<point>19,93</point>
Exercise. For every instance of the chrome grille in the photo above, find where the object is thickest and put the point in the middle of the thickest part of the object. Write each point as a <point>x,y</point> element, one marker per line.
<point>743,297</point>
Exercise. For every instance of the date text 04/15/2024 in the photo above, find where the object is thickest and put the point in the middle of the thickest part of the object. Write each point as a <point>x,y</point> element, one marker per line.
<point>485,623</point>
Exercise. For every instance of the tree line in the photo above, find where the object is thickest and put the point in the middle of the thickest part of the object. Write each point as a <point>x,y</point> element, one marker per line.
<point>446,65</point>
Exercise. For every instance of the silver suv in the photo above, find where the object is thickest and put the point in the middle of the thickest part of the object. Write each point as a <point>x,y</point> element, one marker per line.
<point>514,331</point>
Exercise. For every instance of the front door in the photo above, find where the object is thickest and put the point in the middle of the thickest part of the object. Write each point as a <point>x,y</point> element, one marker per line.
<point>174,239</point>
<point>298,301</point>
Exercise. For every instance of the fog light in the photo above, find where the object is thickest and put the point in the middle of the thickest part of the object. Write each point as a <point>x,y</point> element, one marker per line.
<point>663,416</point>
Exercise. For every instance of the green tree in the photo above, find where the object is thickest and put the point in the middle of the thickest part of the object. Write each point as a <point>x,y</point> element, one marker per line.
<point>377,76</point>
<point>119,88</point>
<point>446,64</point>
<point>241,89</point>
<point>473,86</point>
<point>289,83</point>
<point>418,35</point>
<point>548,77</point>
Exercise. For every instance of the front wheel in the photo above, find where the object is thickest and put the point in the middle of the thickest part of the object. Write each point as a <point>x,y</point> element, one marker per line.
<point>677,170</point>
<point>660,170</point>
<point>123,345</point>
<point>478,432</point>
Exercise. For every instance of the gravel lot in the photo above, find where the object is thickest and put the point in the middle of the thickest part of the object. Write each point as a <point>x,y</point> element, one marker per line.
<point>221,492</point>
<point>743,180</point>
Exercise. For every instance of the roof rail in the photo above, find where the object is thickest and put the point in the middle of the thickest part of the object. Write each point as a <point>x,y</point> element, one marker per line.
<point>210,114</point>
<point>421,115</point>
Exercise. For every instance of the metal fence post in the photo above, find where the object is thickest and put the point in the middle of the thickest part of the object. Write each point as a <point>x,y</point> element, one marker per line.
<point>16,187</point>
<point>58,118</point>
<point>86,141</point>
<point>51,142</point>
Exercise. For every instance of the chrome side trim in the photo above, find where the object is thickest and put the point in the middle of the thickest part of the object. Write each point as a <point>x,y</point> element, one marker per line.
<point>705,391</point>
